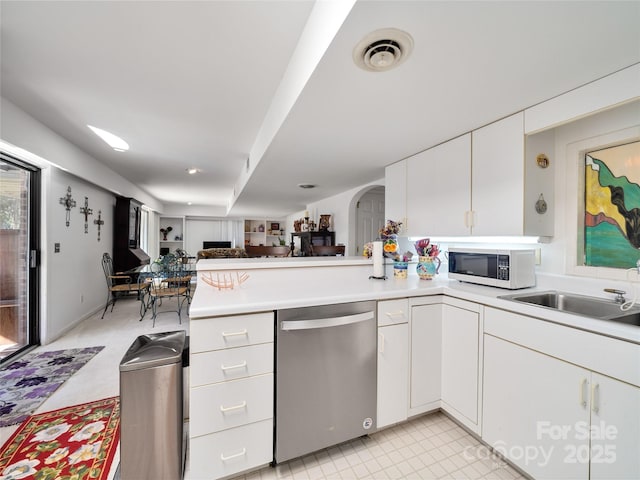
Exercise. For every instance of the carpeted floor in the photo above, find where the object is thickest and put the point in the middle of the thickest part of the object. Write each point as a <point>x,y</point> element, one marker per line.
<point>30,380</point>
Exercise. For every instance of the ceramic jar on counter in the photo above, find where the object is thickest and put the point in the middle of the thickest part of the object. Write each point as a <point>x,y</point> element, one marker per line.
<point>428,267</point>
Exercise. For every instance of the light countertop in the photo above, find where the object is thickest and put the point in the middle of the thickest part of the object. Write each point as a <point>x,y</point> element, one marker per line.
<point>221,264</point>
<point>278,283</point>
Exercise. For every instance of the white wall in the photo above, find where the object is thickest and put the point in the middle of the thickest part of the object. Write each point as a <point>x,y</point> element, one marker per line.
<point>198,230</point>
<point>615,126</point>
<point>75,285</point>
<point>341,207</point>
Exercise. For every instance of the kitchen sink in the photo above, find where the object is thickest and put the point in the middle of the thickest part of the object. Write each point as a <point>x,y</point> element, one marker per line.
<point>586,306</point>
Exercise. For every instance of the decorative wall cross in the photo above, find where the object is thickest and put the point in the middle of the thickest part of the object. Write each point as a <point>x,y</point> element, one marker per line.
<point>98,221</point>
<point>86,211</point>
<point>68,203</point>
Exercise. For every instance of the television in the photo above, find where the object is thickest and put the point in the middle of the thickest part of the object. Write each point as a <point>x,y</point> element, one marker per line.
<point>216,245</point>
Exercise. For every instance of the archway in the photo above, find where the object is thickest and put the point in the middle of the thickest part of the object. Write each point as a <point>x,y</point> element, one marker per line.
<point>366,217</point>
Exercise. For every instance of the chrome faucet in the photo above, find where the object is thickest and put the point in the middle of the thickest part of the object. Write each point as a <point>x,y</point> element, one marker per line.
<point>619,294</point>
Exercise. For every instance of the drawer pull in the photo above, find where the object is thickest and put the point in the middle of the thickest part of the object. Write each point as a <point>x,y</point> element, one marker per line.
<point>399,313</point>
<point>235,407</point>
<point>235,334</point>
<point>231,367</point>
<point>235,455</point>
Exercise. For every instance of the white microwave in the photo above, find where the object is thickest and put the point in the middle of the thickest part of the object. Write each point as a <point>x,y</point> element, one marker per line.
<point>510,269</point>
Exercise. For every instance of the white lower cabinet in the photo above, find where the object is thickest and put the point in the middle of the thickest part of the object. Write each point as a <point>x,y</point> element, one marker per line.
<point>393,365</point>
<point>557,420</point>
<point>393,361</point>
<point>230,404</point>
<point>529,399</point>
<point>426,352</point>
<point>461,356</point>
<point>615,427</point>
<point>231,395</point>
<point>231,451</point>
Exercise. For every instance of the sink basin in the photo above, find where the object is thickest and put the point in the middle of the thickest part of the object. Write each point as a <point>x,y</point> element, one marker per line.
<point>586,306</point>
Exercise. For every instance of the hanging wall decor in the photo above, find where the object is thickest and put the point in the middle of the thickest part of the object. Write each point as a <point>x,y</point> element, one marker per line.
<point>86,211</point>
<point>98,221</point>
<point>68,203</point>
<point>612,206</point>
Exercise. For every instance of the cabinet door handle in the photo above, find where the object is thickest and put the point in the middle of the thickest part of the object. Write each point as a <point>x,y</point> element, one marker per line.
<point>235,407</point>
<point>235,455</point>
<point>468,218</point>
<point>583,399</point>
<point>380,343</point>
<point>595,400</point>
<point>223,367</point>
<point>235,334</point>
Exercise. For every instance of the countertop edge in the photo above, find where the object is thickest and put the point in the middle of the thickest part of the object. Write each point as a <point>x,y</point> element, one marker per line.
<point>475,293</point>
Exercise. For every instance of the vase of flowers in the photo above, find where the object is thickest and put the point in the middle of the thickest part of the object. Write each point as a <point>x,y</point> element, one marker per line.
<point>389,237</point>
<point>428,261</point>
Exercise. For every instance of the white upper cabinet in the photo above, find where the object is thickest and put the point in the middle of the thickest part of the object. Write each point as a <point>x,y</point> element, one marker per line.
<point>395,198</point>
<point>439,189</point>
<point>483,183</point>
<point>498,179</point>
<point>491,182</point>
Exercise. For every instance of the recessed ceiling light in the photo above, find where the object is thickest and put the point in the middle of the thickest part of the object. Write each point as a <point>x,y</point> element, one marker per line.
<point>114,141</point>
<point>189,203</point>
<point>306,185</point>
<point>192,171</point>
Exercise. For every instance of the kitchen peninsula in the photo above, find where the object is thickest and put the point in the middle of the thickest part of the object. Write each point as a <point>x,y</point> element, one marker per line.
<point>461,343</point>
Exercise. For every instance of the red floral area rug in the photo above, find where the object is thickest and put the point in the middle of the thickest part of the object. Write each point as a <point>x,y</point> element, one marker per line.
<point>77,442</point>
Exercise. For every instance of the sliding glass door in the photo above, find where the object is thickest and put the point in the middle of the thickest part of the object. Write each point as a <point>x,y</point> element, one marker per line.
<point>19,246</point>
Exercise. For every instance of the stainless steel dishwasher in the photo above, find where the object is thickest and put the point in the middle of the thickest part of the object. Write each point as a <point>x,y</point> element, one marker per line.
<point>326,361</point>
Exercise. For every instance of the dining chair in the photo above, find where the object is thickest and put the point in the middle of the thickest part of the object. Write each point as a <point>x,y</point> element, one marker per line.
<point>327,250</point>
<point>178,273</point>
<point>166,282</point>
<point>119,285</point>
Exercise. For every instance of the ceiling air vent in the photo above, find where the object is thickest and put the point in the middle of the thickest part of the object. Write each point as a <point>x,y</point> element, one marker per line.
<point>383,50</point>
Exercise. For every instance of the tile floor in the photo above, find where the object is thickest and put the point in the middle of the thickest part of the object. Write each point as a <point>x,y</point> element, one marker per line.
<point>428,447</point>
<point>431,446</point>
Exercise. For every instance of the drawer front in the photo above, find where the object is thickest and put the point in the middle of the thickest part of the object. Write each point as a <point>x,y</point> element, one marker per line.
<point>230,404</point>
<point>230,364</point>
<point>233,331</point>
<point>232,451</point>
<point>391,312</point>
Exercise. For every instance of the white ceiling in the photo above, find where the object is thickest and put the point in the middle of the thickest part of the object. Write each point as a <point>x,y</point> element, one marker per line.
<point>189,84</point>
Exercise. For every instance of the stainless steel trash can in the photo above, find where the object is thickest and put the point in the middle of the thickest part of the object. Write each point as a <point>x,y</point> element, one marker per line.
<point>151,417</point>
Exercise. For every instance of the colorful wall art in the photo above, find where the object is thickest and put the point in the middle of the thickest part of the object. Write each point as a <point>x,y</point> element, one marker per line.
<point>612,206</point>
